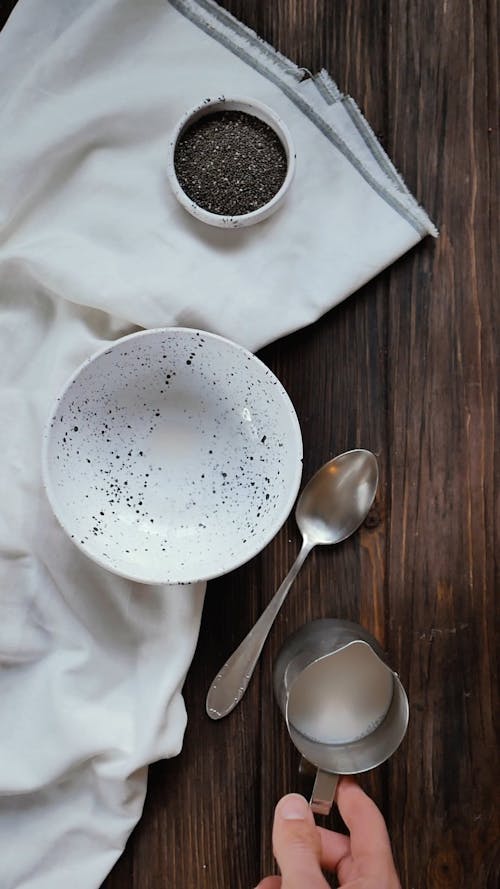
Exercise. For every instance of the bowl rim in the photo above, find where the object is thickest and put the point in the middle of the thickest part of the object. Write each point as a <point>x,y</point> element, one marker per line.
<point>232,103</point>
<point>279,519</point>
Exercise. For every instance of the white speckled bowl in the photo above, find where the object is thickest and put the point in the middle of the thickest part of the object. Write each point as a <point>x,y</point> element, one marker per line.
<point>248,106</point>
<point>172,456</point>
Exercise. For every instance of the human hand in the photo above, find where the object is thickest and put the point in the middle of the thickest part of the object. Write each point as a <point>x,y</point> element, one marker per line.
<point>361,861</point>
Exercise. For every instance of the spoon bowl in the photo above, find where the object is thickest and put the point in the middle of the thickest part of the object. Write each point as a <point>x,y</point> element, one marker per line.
<point>332,506</point>
<point>338,497</point>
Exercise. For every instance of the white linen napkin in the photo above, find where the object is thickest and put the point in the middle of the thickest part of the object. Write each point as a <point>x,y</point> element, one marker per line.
<point>92,245</point>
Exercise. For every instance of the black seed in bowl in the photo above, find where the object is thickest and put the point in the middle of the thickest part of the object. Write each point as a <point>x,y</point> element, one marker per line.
<point>230,163</point>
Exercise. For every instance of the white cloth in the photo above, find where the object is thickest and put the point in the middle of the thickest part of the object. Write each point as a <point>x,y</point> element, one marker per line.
<point>93,244</point>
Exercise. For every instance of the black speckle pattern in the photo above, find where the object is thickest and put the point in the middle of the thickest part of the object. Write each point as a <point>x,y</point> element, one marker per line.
<point>173,456</point>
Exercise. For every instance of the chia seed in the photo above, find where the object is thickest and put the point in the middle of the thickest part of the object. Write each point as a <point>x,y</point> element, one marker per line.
<point>230,163</point>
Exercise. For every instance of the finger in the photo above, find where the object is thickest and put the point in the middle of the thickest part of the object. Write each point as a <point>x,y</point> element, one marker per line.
<point>297,844</point>
<point>334,847</point>
<point>365,822</point>
<point>270,883</point>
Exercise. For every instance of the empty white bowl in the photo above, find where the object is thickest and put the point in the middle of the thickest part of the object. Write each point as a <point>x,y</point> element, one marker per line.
<point>172,456</point>
<point>248,106</point>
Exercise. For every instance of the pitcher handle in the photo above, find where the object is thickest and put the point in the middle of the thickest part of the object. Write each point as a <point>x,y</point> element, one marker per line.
<point>323,792</point>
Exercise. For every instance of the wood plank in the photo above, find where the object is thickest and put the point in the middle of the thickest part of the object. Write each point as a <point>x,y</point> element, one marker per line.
<point>442,381</point>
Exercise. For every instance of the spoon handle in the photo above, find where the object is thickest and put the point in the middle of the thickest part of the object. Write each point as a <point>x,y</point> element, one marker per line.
<point>231,682</point>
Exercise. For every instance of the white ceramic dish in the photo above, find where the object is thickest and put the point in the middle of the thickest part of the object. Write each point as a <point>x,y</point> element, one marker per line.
<point>249,106</point>
<point>172,456</point>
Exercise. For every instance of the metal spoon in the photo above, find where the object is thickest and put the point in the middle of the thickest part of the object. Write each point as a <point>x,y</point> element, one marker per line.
<point>332,506</point>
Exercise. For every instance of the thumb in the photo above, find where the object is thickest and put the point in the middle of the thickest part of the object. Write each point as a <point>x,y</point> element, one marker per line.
<point>297,844</point>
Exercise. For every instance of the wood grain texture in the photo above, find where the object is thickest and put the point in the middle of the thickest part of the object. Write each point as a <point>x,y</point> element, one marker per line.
<point>407,367</point>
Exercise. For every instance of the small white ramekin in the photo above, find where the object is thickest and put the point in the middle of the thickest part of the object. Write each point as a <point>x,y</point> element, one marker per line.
<point>248,106</point>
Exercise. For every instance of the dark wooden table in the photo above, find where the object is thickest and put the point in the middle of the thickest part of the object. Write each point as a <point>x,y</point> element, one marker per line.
<point>407,367</point>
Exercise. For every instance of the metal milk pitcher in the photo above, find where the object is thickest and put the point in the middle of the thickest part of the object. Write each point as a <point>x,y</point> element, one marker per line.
<point>345,709</point>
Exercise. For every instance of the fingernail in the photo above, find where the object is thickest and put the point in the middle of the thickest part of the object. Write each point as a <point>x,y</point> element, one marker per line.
<point>293,807</point>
